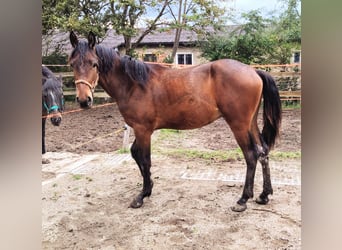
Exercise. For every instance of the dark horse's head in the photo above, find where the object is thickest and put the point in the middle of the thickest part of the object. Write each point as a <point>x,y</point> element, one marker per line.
<point>52,96</point>
<point>84,62</point>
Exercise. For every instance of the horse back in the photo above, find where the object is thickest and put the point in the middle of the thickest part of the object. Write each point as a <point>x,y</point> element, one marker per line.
<point>183,98</point>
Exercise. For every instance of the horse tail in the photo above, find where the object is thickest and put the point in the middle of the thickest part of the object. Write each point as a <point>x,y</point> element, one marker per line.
<point>272,109</point>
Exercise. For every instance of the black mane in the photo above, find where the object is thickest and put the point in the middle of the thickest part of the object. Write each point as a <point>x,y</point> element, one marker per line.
<point>106,58</point>
<point>49,80</point>
<point>136,70</point>
<point>46,73</point>
<point>81,48</point>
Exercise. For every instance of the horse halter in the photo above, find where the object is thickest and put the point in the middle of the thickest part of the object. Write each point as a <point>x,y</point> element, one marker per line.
<point>54,107</point>
<point>92,87</point>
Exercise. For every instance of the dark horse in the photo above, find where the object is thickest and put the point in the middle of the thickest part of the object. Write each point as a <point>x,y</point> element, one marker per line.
<point>52,100</point>
<point>152,97</point>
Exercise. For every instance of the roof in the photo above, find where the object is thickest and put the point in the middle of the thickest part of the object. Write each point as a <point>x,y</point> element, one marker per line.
<point>61,39</point>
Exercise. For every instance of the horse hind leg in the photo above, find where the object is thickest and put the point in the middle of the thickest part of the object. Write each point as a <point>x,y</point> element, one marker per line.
<point>247,145</point>
<point>267,185</point>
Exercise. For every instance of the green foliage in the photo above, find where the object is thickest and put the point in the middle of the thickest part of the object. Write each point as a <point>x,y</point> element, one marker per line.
<point>56,58</point>
<point>129,18</point>
<point>80,16</point>
<point>168,59</point>
<point>249,44</point>
<point>259,40</point>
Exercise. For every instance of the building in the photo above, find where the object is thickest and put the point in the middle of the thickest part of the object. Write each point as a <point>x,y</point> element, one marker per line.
<point>155,47</point>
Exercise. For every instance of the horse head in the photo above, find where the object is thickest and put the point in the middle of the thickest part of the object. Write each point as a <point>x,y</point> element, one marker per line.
<point>84,63</point>
<point>53,100</point>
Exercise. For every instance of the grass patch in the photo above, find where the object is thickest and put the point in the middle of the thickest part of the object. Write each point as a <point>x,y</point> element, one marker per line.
<point>291,104</point>
<point>217,155</point>
<point>123,151</point>
<point>168,133</point>
<point>77,177</point>
<point>222,155</point>
<point>276,155</point>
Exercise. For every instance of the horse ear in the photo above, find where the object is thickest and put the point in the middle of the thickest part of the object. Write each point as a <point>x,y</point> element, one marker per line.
<point>73,39</point>
<point>91,40</point>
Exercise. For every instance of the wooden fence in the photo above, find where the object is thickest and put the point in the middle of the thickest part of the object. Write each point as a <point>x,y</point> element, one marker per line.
<point>277,71</point>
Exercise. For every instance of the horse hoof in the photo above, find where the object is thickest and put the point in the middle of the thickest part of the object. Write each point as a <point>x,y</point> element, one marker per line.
<point>136,203</point>
<point>262,201</point>
<point>239,208</point>
<point>45,161</point>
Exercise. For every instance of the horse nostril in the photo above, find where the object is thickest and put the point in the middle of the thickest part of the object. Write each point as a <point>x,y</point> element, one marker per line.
<point>90,101</point>
<point>56,120</point>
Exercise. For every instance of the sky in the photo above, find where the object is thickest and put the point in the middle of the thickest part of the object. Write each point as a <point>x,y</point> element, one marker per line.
<point>266,7</point>
<point>248,5</point>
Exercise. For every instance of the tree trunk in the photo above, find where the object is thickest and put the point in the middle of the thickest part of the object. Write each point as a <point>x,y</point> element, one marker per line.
<point>176,43</point>
<point>128,45</point>
<point>180,22</point>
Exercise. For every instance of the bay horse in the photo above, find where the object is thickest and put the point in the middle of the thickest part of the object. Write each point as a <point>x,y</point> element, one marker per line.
<point>52,100</point>
<point>151,97</point>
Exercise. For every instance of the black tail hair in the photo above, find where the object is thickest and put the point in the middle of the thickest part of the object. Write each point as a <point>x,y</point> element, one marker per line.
<point>272,109</point>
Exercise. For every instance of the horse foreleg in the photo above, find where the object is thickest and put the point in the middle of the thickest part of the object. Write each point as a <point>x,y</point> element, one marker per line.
<point>141,153</point>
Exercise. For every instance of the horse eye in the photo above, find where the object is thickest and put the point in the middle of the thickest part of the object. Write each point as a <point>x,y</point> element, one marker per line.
<point>71,65</point>
<point>95,65</point>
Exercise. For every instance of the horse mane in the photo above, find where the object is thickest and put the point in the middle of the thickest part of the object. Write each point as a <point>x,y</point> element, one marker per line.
<point>49,80</point>
<point>46,73</point>
<point>106,56</point>
<point>82,48</point>
<point>136,70</point>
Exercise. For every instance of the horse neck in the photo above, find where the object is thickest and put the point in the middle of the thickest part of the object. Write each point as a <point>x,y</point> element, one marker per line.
<point>115,82</point>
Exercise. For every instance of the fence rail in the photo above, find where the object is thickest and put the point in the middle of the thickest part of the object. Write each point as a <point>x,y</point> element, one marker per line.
<point>276,70</point>
<point>290,95</point>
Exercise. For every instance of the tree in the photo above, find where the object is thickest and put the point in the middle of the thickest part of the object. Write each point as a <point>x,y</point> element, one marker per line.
<point>249,43</point>
<point>130,18</point>
<point>76,15</point>
<point>98,16</point>
<point>287,31</point>
<point>196,15</point>
<point>259,40</point>
<point>125,15</point>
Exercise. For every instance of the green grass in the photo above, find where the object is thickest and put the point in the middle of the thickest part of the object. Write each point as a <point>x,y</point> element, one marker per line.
<point>276,155</point>
<point>122,151</point>
<point>77,177</point>
<point>208,155</point>
<point>167,133</point>
<point>290,105</point>
<point>222,155</point>
<point>217,155</point>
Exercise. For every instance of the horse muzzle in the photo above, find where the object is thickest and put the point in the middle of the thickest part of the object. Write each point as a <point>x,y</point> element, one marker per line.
<point>85,103</point>
<point>56,120</point>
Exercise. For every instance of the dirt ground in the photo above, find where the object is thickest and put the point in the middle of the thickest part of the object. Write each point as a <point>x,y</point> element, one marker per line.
<point>88,185</point>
